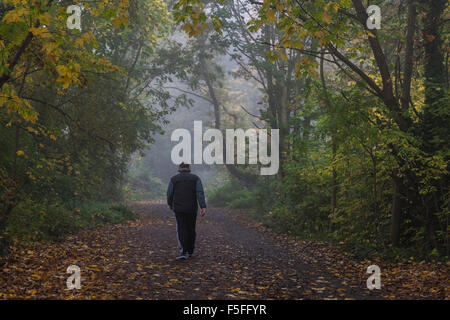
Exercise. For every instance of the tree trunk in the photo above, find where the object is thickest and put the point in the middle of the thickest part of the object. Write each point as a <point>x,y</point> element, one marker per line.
<point>434,127</point>
<point>396,211</point>
<point>283,121</point>
<point>242,176</point>
<point>212,92</point>
<point>331,109</point>
<point>435,122</point>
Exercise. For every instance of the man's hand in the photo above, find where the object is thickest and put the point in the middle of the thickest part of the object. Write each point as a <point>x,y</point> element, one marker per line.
<point>202,212</point>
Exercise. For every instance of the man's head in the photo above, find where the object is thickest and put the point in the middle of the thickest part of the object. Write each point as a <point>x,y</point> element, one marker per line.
<point>184,167</point>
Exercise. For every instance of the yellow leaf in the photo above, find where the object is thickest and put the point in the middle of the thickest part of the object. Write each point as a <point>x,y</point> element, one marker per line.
<point>15,15</point>
<point>187,28</point>
<point>270,14</point>
<point>41,32</point>
<point>298,45</point>
<point>119,21</point>
<point>196,15</point>
<point>261,288</point>
<point>62,70</point>
<point>45,18</point>
<point>326,17</point>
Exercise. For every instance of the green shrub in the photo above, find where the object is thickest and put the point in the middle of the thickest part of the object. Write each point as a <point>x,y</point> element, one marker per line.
<point>142,185</point>
<point>247,199</point>
<point>30,221</point>
<point>125,211</point>
<point>224,194</point>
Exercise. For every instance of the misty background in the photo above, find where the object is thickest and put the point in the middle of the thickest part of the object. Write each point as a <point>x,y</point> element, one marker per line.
<point>151,169</point>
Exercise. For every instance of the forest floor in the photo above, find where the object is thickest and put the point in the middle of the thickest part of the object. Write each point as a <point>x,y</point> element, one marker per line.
<point>234,259</point>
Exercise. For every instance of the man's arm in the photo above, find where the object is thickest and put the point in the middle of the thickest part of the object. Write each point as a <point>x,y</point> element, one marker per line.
<point>201,197</point>
<point>170,194</point>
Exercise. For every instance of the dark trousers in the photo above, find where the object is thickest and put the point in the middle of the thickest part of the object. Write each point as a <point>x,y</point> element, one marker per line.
<point>186,231</point>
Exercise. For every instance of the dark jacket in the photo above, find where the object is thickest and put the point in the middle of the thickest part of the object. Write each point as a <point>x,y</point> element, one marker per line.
<point>184,191</point>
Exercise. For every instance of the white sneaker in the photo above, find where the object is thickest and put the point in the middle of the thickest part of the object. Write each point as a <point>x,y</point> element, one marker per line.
<point>182,257</point>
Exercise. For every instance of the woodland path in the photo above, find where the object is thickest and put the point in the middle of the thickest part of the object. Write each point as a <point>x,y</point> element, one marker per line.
<point>234,259</point>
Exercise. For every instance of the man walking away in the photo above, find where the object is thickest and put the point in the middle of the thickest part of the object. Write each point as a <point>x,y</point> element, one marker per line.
<point>184,192</point>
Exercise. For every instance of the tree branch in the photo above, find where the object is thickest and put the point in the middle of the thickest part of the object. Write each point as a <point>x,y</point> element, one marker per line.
<point>15,59</point>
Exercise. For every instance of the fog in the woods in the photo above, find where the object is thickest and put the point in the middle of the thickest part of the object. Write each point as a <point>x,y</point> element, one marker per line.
<point>356,94</point>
